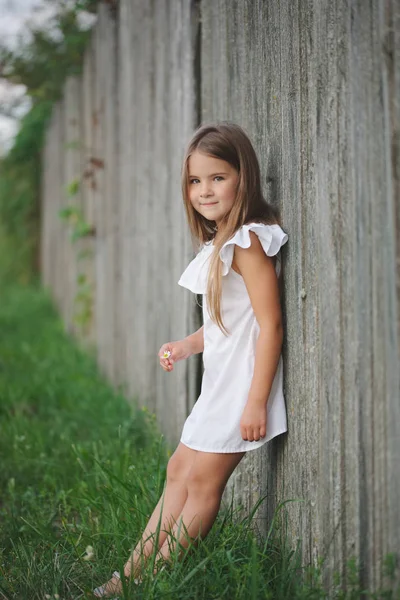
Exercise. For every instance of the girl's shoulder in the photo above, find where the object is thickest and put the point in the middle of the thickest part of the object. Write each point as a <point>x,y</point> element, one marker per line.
<point>271,236</point>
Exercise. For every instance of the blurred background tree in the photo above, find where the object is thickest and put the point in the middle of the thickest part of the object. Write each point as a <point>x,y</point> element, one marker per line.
<point>40,61</point>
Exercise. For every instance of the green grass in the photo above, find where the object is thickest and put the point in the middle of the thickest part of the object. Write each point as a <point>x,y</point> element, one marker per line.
<point>80,466</point>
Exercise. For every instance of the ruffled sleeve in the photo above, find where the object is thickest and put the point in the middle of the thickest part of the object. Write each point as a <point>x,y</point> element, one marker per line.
<point>194,277</point>
<point>272,238</point>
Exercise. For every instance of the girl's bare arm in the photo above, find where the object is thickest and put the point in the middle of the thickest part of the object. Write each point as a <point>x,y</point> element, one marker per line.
<point>173,352</point>
<point>196,340</point>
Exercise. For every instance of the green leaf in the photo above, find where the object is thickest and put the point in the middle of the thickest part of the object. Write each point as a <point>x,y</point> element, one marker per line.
<point>73,145</point>
<point>68,212</point>
<point>73,188</point>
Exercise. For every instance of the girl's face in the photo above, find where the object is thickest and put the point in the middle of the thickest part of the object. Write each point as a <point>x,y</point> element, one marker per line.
<point>212,185</point>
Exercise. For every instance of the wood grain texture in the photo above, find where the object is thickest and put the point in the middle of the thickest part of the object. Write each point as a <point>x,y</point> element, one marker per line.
<point>310,83</point>
<point>131,113</point>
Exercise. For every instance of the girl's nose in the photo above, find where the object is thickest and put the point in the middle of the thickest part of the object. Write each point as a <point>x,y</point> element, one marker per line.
<point>205,191</point>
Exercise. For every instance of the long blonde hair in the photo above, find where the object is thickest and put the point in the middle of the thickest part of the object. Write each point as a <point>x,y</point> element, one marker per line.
<point>226,141</point>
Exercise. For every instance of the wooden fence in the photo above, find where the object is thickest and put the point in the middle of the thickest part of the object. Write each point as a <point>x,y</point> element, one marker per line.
<point>316,84</point>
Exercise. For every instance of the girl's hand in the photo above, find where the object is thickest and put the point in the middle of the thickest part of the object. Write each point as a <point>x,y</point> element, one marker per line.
<point>253,424</point>
<point>171,352</point>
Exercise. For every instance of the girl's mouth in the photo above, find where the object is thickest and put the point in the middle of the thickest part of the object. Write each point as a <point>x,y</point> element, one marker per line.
<point>209,204</point>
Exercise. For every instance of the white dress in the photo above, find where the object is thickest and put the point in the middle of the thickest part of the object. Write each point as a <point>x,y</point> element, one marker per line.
<point>214,423</point>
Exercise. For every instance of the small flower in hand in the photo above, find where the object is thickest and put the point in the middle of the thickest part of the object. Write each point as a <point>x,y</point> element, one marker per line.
<point>167,354</point>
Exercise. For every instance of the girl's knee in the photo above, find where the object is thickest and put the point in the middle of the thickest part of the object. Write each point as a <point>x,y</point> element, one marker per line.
<point>178,468</point>
<point>174,469</point>
<point>202,483</point>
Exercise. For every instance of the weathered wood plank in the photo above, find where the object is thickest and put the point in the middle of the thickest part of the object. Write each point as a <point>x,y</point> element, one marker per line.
<point>88,182</point>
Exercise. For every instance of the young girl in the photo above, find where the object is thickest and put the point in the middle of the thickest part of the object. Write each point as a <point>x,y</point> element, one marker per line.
<point>241,404</point>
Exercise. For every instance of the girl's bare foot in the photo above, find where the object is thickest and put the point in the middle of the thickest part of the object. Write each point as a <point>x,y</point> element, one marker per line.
<point>112,588</point>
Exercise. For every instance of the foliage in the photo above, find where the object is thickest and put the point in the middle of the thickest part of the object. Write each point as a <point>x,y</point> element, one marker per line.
<point>41,64</point>
<point>19,195</point>
<point>82,469</point>
<point>74,217</point>
<point>79,228</point>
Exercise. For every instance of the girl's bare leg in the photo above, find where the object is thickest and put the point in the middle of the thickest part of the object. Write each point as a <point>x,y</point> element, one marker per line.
<point>206,482</point>
<point>172,502</point>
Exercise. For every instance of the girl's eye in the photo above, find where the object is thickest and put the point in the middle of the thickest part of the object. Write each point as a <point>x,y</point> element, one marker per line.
<point>216,177</point>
